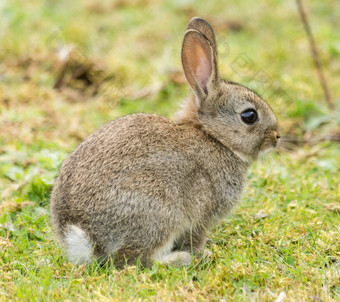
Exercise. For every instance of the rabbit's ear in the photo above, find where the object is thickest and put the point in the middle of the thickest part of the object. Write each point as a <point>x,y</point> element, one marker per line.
<point>198,60</point>
<point>204,27</point>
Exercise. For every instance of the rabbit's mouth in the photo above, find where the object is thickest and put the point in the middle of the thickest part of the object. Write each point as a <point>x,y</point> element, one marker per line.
<point>269,143</point>
<point>264,152</point>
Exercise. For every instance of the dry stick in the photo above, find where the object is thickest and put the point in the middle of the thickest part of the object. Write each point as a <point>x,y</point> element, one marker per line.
<point>316,57</point>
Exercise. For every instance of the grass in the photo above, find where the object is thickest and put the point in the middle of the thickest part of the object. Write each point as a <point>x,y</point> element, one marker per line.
<point>283,238</point>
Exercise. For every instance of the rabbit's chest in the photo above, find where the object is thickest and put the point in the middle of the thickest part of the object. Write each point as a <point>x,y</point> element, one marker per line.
<point>227,193</point>
<point>212,194</point>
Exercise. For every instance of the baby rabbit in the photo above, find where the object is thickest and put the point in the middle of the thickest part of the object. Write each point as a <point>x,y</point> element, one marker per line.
<point>149,189</point>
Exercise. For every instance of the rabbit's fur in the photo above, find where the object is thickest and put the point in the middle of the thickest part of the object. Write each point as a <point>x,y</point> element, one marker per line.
<point>144,187</point>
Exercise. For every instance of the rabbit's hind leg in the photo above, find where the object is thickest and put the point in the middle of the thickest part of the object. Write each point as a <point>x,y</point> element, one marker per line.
<point>176,258</point>
<point>166,255</point>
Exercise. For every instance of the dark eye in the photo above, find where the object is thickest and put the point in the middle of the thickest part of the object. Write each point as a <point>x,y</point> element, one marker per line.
<point>249,116</point>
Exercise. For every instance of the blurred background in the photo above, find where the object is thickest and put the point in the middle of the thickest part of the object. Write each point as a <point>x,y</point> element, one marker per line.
<point>67,67</point>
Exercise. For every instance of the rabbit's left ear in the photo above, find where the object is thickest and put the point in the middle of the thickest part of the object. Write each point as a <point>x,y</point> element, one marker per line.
<point>198,60</point>
<point>204,28</point>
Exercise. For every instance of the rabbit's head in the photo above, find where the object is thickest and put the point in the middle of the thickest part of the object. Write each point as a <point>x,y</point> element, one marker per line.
<point>229,112</point>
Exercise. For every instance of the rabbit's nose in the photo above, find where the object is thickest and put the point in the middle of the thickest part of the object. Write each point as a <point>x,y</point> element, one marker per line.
<point>277,135</point>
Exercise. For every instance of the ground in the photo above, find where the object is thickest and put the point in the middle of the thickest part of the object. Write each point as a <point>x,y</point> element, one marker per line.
<point>66,68</point>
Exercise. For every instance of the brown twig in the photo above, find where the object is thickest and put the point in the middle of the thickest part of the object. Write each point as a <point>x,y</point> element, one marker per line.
<point>315,54</point>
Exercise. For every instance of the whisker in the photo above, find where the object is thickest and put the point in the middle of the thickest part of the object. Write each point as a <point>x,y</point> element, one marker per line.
<point>289,143</point>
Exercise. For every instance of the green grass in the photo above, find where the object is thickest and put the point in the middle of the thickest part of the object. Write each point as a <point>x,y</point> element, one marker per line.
<point>284,236</point>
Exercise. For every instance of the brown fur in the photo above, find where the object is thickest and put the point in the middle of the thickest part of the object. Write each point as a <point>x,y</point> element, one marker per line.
<point>143,182</point>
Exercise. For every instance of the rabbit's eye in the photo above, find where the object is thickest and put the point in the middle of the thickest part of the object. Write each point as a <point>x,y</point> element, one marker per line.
<point>249,116</point>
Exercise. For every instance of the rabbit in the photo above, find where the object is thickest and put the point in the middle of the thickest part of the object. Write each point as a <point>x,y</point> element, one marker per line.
<point>145,189</point>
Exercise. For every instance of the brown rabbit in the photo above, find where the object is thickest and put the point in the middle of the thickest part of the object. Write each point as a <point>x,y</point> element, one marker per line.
<point>144,187</point>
